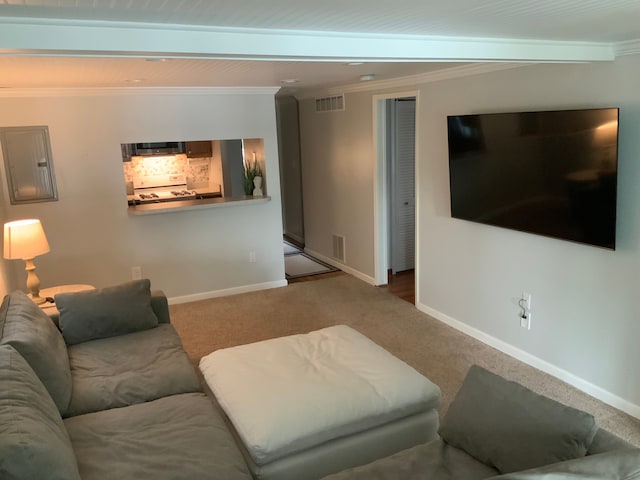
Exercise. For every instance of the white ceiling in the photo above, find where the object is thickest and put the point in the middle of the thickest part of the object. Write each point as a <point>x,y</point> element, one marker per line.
<point>73,72</point>
<point>97,43</point>
<point>582,20</point>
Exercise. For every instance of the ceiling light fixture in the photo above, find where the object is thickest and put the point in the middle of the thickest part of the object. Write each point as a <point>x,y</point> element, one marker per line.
<point>367,77</point>
<point>290,80</point>
<point>354,64</point>
<point>156,59</point>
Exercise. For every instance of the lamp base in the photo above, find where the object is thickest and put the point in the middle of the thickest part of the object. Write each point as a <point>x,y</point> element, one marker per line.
<point>37,300</point>
<point>33,282</point>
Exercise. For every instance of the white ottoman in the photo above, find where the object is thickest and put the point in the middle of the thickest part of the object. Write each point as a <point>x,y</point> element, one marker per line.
<point>305,406</point>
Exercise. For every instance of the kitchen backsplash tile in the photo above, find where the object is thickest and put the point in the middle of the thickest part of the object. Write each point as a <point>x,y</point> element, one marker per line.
<point>196,171</point>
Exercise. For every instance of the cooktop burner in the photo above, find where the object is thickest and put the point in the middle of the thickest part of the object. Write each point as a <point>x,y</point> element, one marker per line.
<point>165,188</point>
<point>148,196</point>
<point>183,193</point>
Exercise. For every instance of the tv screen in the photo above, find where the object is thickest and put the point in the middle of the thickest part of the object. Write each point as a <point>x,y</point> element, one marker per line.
<point>552,173</point>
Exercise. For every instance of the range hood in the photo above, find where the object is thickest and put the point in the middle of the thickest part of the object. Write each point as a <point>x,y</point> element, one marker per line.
<point>154,148</point>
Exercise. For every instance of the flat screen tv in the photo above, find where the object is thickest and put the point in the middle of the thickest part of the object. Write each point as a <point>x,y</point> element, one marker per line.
<point>552,173</point>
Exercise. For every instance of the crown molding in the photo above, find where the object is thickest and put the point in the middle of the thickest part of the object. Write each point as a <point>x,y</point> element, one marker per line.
<point>631,47</point>
<point>412,80</point>
<point>134,91</point>
<point>91,38</point>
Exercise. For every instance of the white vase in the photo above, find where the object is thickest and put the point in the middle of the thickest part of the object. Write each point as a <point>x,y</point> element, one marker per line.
<point>257,183</point>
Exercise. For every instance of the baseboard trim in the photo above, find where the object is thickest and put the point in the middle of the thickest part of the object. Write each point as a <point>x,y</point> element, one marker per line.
<point>525,357</point>
<point>342,266</point>
<point>226,292</point>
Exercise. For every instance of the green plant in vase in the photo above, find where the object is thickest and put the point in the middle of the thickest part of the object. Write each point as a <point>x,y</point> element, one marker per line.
<point>251,171</point>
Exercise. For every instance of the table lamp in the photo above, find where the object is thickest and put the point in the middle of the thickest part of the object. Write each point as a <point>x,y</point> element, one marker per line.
<point>25,239</point>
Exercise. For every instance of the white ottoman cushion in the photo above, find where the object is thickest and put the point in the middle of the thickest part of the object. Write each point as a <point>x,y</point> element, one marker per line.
<point>287,394</point>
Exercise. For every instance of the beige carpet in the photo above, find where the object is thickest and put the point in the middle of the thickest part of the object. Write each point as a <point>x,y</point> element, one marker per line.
<point>434,349</point>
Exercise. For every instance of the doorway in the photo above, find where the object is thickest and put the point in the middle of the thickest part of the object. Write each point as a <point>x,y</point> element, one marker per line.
<point>395,194</point>
<point>401,141</point>
<point>288,128</point>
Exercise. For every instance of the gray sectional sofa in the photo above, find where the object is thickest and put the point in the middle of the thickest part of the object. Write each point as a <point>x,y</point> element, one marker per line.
<point>498,429</point>
<point>109,394</point>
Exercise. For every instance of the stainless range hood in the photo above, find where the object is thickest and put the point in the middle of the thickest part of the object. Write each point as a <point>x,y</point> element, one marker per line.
<point>150,149</point>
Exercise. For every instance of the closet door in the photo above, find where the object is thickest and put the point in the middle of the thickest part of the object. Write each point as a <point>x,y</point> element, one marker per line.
<point>290,167</point>
<point>403,140</point>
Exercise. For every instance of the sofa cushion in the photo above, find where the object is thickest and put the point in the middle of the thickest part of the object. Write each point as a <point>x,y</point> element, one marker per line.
<point>129,369</point>
<point>176,437</point>
<point>29,330</point>
<point>614,465</point>
<point>106,312</point>
<point>433,461</point>
<point>506,425</point>
<point>33,441</point>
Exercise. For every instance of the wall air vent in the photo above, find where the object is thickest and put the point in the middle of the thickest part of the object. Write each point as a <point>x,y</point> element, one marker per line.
<point>330,104</point>
<point>338,248</point>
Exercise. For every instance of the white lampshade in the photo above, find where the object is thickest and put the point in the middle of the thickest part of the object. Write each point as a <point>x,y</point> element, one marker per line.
<point>24,239</point>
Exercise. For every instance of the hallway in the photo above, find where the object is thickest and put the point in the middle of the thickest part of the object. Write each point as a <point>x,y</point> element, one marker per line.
<point>402,285</point>
<point>299,264</point>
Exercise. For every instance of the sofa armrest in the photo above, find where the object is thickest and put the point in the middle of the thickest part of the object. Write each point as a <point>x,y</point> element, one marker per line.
<point>160,306</point>
<point>617,464</point>
<point>605,441</point>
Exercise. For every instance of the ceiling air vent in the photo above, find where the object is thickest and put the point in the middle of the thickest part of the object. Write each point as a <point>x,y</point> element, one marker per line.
<point>330,104</point>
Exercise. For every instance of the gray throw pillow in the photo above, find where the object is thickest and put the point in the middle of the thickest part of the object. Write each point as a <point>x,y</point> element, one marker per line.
<point>107,312</point>
<point>507,426</point>
<point>31,332</point>
<point>33,441</point>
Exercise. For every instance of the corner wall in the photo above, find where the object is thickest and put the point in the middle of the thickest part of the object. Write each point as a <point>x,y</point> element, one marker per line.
<point>585,324</point>
<point>94,240</point>
<point>337,181</point>
<point>585,321</point>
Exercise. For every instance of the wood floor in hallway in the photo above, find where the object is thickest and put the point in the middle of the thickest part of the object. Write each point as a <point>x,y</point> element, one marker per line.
<point>402,284</point>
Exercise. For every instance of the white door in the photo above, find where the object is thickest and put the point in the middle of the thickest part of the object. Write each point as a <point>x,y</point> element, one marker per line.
<point>402,117</point>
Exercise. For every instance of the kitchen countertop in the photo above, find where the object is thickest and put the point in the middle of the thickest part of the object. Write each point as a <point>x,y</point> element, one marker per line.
<point>182,205</point>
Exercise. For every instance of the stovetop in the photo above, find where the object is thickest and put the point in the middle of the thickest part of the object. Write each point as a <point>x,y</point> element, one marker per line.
<point>165,188</point>
<point>160,195</point>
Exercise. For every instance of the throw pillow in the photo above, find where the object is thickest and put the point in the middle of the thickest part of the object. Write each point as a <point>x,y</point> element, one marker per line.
<point>506,425</point>
<point>106,312</point>
<point>31,332</point>
<point>33,440</point>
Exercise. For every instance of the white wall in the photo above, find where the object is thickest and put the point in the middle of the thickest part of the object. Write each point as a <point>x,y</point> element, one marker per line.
<point>94,240</point>
<point>586,323</point>
<point>337,180</point>
<point>585,319</point>
<point>4,282</point>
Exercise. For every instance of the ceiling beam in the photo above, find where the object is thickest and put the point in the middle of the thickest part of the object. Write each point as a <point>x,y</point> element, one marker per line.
<point>24,36</point>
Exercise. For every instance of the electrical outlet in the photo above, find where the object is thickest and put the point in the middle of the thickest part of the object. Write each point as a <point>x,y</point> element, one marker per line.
<point>527,300</point>
<point>136,273</point>
<point>252,257</point>
<point>525,310</point>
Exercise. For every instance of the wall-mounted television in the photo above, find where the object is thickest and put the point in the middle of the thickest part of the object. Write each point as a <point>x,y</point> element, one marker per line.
<point>552,173</point>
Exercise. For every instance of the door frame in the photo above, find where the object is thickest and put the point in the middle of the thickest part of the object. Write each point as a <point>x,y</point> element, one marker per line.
<point>381,194</point>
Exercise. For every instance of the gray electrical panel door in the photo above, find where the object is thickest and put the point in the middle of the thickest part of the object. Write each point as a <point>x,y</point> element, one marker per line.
<point>28,164</point>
